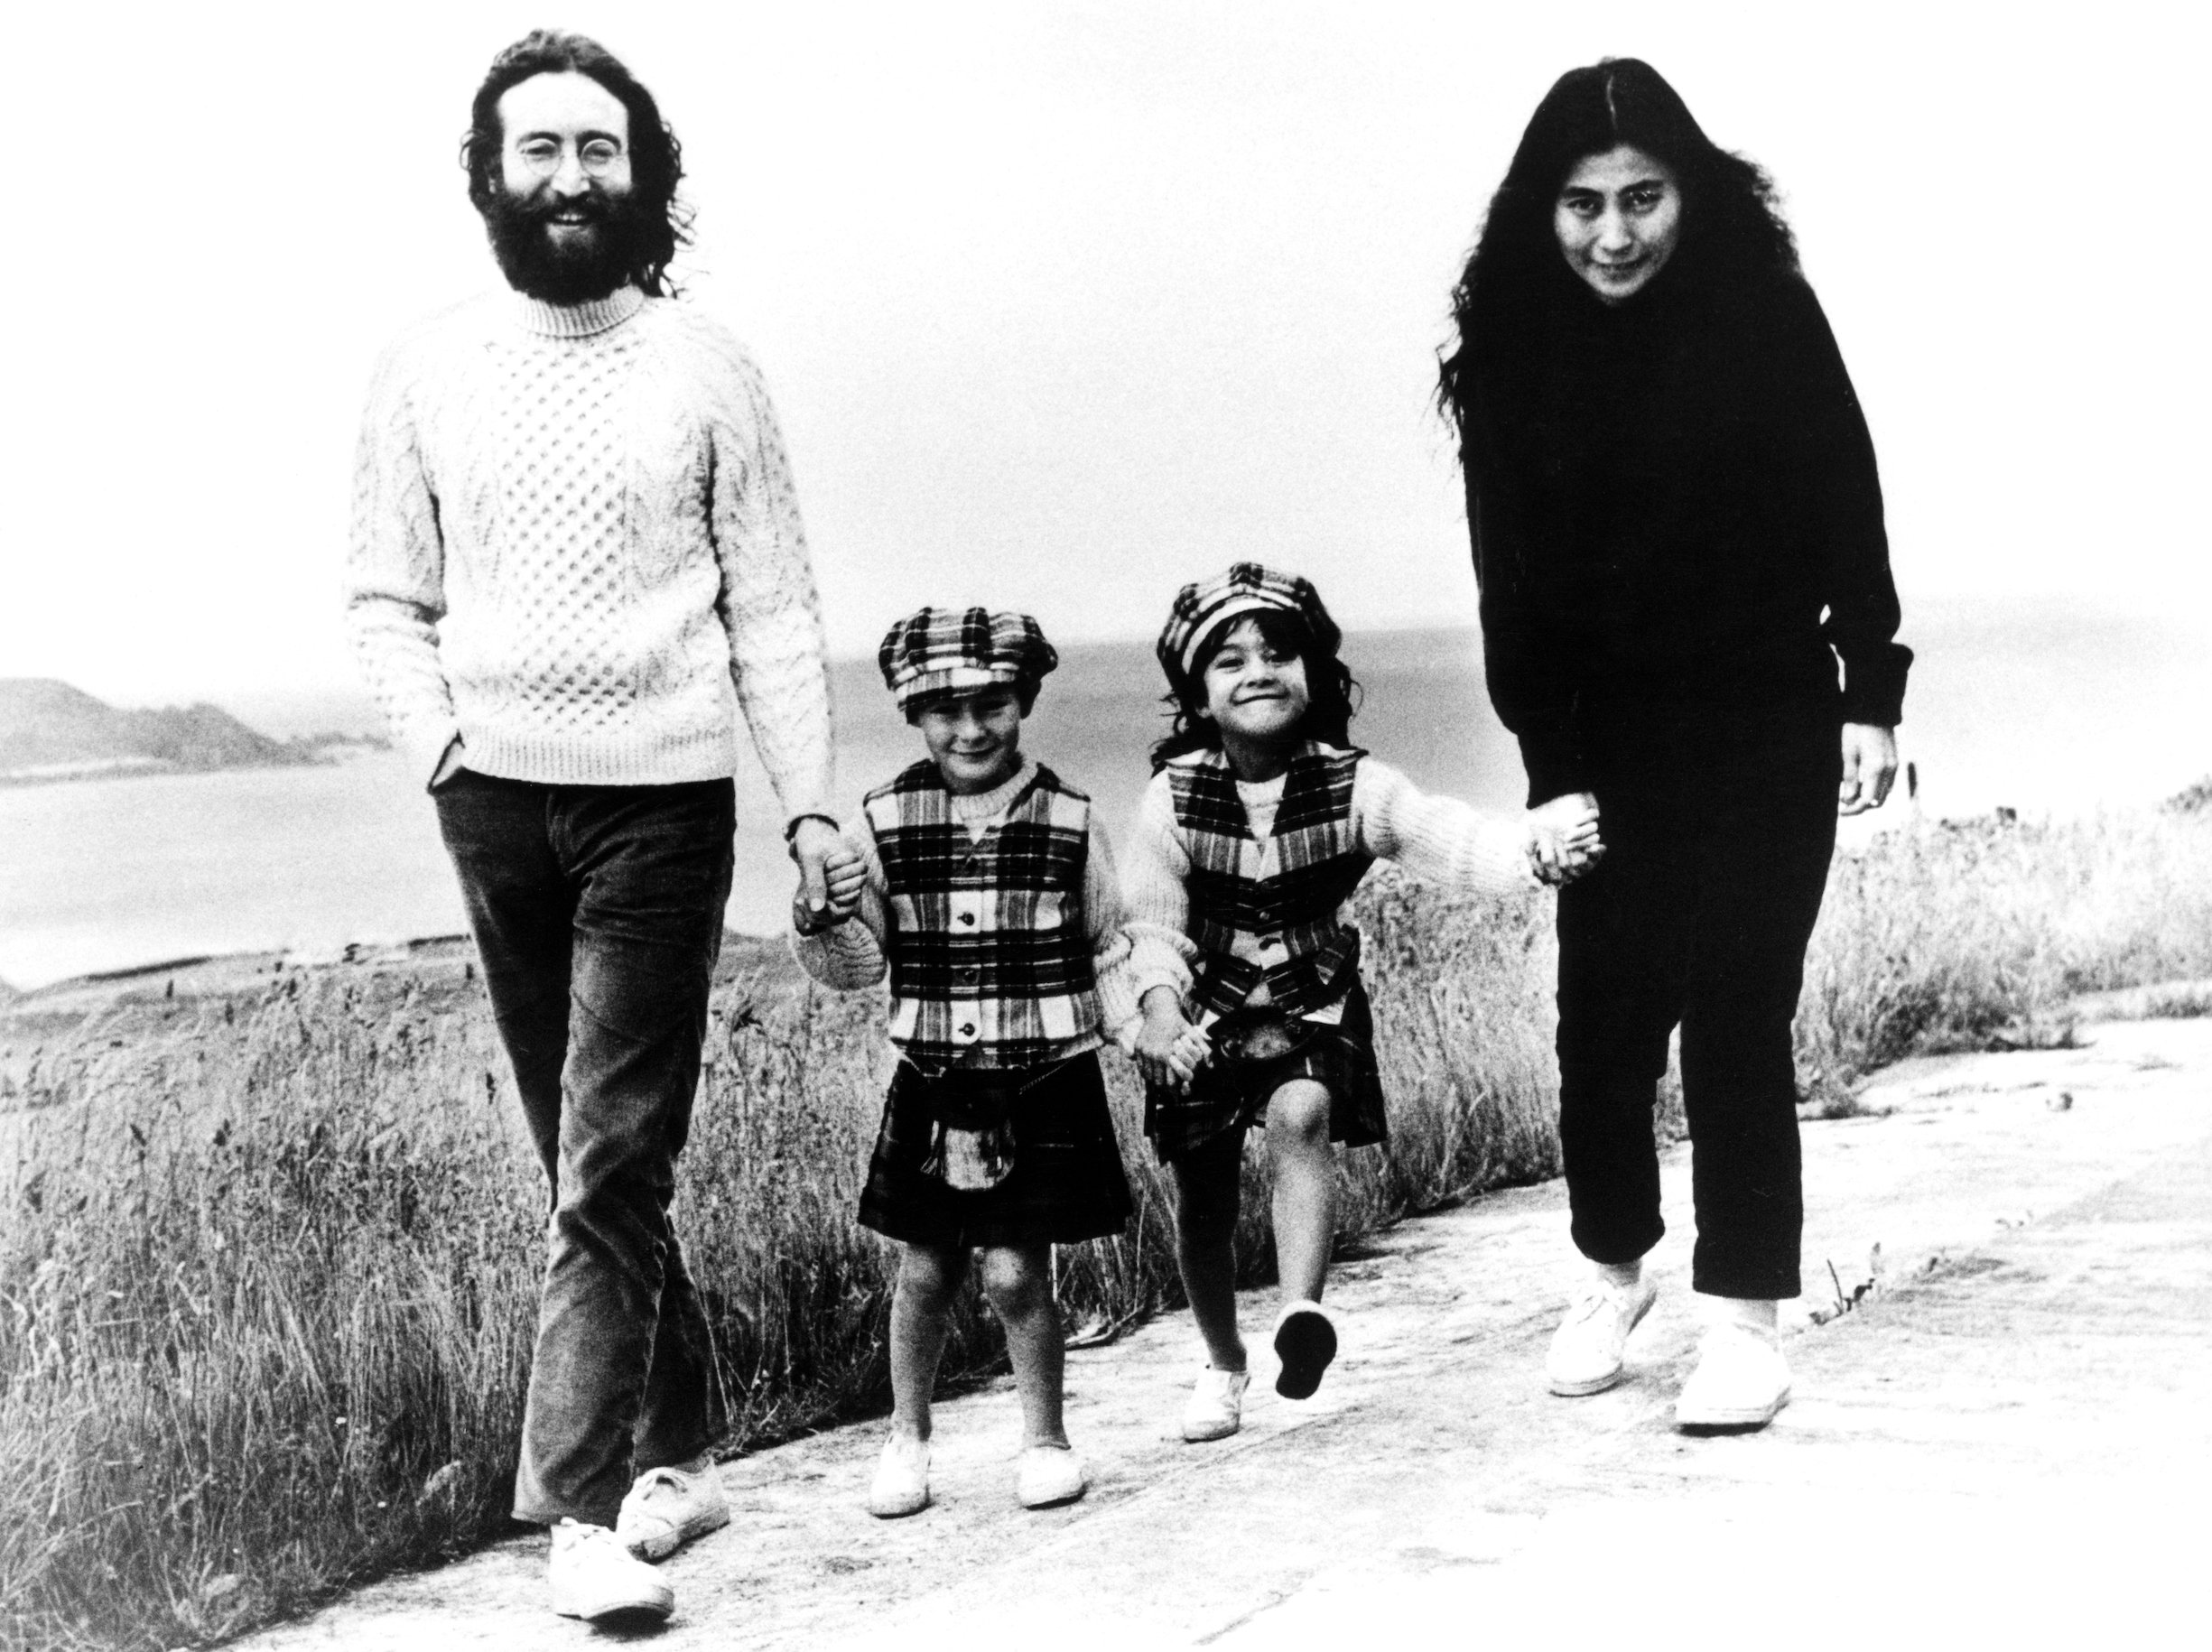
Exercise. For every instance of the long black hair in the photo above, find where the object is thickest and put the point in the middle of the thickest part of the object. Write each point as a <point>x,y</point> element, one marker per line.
<point>664,223</point>
<point>1517,287</point>
<point>1333,695</point>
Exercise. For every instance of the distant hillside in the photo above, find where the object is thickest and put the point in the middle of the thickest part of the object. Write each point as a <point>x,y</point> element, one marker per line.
<point>51,731</point>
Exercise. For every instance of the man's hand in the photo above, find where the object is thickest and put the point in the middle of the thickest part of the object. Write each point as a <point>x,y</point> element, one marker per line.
<point>814,844</point>
<point>1870,765</point>
<point>1169,1049</point>
<point>1563,838</point>
<point>844,876</point>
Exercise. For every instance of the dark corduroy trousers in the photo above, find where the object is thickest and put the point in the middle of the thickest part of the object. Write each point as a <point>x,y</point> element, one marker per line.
<point>598,914</point>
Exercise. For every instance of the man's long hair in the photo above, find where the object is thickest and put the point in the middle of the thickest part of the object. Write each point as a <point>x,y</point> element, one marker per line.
<point>664,223</point>
<point>1510,299</point>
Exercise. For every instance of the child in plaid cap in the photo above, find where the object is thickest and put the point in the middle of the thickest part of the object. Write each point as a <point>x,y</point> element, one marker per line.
<point>979,882</point>
<point>1261,821</point>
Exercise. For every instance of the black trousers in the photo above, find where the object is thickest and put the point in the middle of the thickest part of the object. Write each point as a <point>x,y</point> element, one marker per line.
<point>1697,916</point>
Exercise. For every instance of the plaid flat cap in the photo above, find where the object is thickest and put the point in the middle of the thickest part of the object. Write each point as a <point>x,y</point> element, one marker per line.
<point>937,651</point>
<point>1204,604</point>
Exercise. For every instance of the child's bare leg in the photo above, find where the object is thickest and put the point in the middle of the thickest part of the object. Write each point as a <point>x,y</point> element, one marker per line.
<point>1305,1205</point>
<point>1018,1278</point>
<point>928,1277</point>
<point>1207,1185</point>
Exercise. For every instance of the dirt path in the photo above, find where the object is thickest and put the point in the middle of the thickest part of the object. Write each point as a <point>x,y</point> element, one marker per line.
<point>2005,1441</point>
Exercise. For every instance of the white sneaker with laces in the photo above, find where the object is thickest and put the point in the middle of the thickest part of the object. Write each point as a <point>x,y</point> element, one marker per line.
<point>669,1507</point>
<point>1050,1475</point>
<point>1740,1383</point>
<point>594,1576</point>
<point>1587,1349</point>
<point>901,1486</point>
<point>1215,1409</point>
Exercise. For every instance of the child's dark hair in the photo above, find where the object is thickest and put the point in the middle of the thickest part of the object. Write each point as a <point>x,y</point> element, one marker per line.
<point>1333,696</point>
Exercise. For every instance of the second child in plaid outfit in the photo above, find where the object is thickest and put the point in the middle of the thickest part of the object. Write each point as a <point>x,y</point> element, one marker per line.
<point>978,884</point>
<point>1260,822</point>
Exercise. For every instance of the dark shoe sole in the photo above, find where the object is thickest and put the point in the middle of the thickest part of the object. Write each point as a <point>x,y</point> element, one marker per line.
<point>1305,1342</point>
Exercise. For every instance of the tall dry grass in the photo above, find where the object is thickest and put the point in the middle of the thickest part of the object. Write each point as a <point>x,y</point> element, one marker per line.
<point>266,1289</point>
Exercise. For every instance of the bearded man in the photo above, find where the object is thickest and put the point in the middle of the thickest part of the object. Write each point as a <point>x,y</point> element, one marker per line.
<point>576,561</point>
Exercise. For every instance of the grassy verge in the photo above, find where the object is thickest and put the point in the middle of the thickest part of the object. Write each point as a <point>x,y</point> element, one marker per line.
<point>267,1284</point>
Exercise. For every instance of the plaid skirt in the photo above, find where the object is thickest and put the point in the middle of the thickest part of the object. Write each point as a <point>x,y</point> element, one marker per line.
<point>1066,1184</point>
<point>1341,1059</point>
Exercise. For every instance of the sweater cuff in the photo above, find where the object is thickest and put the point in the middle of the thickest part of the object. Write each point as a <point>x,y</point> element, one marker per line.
<point>1554,764</point>
<point>1874,684</point>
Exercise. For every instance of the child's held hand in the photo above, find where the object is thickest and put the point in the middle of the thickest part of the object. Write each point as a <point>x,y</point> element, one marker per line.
<point>1169,1049</point>
<point>1563,840</point>
<point>843,876</point>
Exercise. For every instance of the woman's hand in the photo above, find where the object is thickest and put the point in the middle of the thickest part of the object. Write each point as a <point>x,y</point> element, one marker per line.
<point>1870,765</point>
<point>1563,838</point>
<point>1169,1049</point>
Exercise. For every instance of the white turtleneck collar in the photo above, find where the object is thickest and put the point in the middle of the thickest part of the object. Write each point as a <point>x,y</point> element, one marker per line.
<point>583,321</point>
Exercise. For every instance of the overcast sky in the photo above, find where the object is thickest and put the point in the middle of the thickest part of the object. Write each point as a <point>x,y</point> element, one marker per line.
<point>1062,304</point>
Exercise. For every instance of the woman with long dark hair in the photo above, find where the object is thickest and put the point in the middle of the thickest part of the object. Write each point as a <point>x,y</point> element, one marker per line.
<point>1678,534</point>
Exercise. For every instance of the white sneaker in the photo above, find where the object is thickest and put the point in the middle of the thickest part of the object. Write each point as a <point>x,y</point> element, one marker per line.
<point>1051,1474</point>
<point>669,1507</point>
<point>1215,1409</point>
<point>593,1577</point>
<point>1587,1349</point>
<point>1304,1342</point>
<point>901,1478</point>
<point>1741,1381</point>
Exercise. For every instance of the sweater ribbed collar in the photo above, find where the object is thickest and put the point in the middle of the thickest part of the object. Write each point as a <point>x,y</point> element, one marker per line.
<point>579,320</point>
<point>977,810</point>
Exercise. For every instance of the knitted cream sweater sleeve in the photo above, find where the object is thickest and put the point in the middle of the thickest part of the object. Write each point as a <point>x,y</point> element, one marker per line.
<point>1438,840</point>
<point>1111,950</point>
<point>770,606</point>
<point>395,575</point>
<point>1153,870</point>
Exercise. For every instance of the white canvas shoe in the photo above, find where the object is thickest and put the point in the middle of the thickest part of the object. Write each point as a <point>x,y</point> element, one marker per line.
<point>1215,1409</point>
<point>901,1478</point>
<point>594,1576</point>
<point>669,1507</point>
<point>1740,1383</point>
<point>1051,1475</point>
<point>1587,1349</point>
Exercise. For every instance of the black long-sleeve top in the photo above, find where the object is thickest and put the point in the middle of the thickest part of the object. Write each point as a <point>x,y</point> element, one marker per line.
<point>1678,506</point>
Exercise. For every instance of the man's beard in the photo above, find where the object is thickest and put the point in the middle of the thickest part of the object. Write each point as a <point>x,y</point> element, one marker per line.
<point>575,271</point>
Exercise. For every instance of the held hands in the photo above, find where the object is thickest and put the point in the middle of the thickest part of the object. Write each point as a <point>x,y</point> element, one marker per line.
<point>1870,765</point>
<point>1169,1049</point>
<point>1563,838</point>
<point>830,877</point>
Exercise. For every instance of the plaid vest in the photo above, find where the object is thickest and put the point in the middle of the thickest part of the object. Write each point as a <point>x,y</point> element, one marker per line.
<point>988,948</point>
<point>1287,891</point>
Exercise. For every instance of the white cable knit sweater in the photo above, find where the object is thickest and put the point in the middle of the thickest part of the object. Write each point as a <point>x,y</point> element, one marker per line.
<point>576,544</point>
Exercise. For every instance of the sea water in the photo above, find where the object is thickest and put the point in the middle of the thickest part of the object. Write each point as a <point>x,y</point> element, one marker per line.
<point>2036,708</point>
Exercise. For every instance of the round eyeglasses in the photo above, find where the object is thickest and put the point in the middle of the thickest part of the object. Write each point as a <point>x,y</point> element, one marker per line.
<point>597,156</point>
